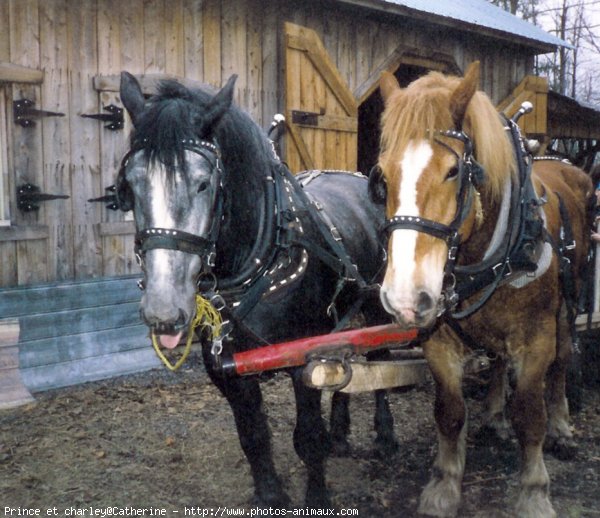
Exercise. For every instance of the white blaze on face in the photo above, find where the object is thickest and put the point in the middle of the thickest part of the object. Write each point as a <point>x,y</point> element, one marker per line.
<point>401,272</point>
<point>162,218</point>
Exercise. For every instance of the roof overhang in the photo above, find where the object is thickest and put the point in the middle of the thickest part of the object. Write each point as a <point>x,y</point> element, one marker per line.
<point>568,118</point>
<point>477,16</point>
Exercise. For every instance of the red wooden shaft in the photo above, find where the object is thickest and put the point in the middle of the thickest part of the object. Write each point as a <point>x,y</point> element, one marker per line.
<point>293,353</point>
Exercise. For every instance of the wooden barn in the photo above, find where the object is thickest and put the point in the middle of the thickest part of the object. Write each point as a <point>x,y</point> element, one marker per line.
<point>67,298</point>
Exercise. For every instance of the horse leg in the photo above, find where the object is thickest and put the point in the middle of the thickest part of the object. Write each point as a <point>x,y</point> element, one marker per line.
<point>386,443</point>
<point>559,438</point>
<point>245,399</point>
<point>529,422</point>
<point>496,427</point>
<point>311,441</point>
<point>441,496</point>
<point>339,424</point>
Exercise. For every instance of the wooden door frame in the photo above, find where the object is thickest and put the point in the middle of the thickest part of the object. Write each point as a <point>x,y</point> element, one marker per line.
<point>407,55</point>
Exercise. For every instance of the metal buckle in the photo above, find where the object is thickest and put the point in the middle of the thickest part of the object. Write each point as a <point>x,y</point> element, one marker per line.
<point>205,275</point>
<point>335,233</point>
<point>218,302</point>
<point>226,328</point>
<point>347,277</point>
<point>217,347</point>
<point>508,271</point>
<point>211,258</point>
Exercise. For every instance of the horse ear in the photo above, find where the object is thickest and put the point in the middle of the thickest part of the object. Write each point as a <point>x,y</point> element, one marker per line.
<point>388,84</point>
<point>377,186</point>
<point>220,103</point>
<point>461,97</point>
<point>132,96</point>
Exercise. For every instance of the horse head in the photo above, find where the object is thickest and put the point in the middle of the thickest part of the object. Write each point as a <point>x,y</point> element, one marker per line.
<point>438,136</point>
<point>172,179</point>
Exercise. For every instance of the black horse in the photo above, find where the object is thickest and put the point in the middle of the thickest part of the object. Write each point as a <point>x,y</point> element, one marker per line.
<point>217,212</point>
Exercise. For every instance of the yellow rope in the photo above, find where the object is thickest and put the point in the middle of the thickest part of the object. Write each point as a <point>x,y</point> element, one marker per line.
<point>206,316</point>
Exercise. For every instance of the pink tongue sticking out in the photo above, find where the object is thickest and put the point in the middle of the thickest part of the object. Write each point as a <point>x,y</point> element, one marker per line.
<point>170,341</point>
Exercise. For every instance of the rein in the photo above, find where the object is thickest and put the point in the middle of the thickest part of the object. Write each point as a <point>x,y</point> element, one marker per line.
<point>206,316</point>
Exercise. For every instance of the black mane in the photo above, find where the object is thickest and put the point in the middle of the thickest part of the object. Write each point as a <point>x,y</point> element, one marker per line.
<point>176,114</point>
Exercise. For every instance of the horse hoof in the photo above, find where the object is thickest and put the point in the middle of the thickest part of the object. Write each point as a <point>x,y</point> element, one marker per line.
<point>534,504</point>
<point>340,447</point>
<point>318,501</point>
<point>560,448</point>
<point>278,500</point>
<point>441,497</point>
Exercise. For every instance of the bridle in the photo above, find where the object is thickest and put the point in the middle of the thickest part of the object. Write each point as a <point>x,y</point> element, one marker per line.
<point>153,238</point>
<point>470,177</point>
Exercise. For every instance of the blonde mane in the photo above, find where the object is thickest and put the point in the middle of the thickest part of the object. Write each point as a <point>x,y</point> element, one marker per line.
<point>422,108</point>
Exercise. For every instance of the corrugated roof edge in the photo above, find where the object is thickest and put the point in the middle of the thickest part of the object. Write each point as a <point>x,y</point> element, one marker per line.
<point>473,14</point>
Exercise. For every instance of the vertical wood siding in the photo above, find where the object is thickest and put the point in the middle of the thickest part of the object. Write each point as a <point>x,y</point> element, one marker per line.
<point>202,40</point>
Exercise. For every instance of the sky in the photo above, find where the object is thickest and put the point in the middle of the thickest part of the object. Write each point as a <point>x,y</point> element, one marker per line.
<point>589,56</point>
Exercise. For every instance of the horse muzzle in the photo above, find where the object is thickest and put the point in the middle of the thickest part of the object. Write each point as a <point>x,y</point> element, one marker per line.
<point>419,311</point>
<point>170,331</point>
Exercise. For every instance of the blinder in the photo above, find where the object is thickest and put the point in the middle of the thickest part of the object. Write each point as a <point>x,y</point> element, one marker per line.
<point>174,239</point>
<point>123,190</point>
<point>377,186</point>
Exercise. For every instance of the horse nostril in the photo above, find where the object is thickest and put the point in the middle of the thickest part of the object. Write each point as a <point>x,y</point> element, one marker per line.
<point>425,303</point>
<point>165,327</point>
<point>181,319</point>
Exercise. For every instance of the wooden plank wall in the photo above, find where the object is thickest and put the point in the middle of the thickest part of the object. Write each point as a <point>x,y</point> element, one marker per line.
<point>67,333</point>
<point>203,40</point>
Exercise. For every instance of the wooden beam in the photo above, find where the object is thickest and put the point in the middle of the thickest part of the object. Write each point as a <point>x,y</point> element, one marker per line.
<point>365,377</point>
<point>300,144</point>
<point>148,82</point>
<point>22,233</point>
<point>11,73</point>
<point>535,90</point>
<point>333,122</point>
<point>12,390</point>
<point>389,64</point>
<point>116,228</point>
<point>406,55</point>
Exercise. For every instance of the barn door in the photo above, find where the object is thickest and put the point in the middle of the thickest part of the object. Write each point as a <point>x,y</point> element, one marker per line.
<point>321,112</point>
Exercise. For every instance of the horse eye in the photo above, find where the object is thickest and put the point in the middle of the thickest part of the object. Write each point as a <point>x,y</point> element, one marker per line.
<point>453,173</point>
<point>203,186</point>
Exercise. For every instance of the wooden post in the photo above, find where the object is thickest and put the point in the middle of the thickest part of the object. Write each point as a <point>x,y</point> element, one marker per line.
<point>12,390</point>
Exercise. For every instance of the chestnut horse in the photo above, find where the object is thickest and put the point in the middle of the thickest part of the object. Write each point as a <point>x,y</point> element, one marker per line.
<point>447,167</point>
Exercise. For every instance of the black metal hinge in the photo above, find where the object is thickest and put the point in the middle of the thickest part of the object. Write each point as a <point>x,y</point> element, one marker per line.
<point>29,195</point>
<point>110,199</point>
<point>114,117</point>
<point>24,113</point>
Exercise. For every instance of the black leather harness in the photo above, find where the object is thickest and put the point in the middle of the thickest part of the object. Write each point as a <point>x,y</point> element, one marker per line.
<point>516,250</point>
<point>279,230</point>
